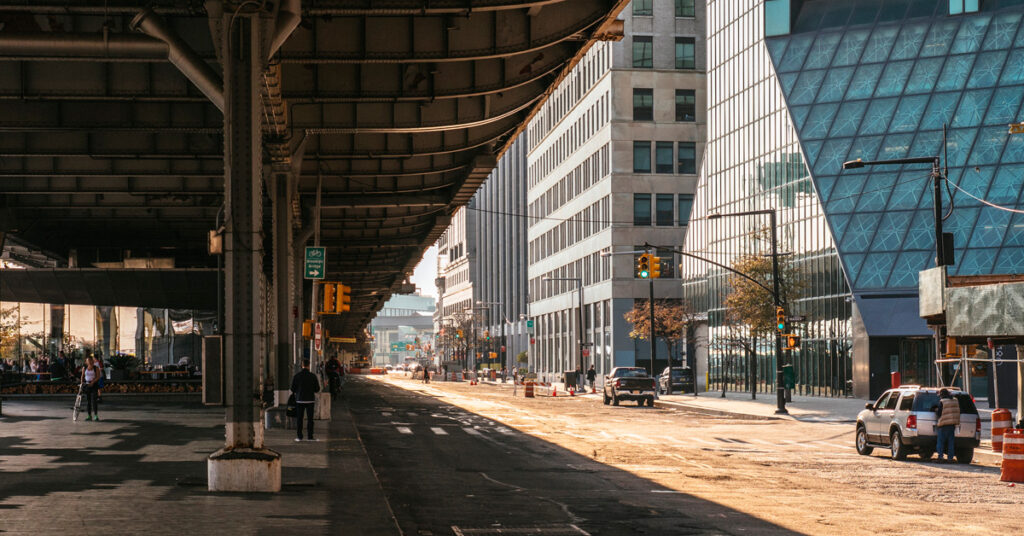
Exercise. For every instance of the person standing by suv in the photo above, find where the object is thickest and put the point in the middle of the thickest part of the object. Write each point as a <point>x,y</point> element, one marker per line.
<point>305,385</point>
<point>948,413</point>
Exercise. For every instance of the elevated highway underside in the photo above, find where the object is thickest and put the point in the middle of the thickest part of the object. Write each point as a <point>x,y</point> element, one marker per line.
<point>131,129</point>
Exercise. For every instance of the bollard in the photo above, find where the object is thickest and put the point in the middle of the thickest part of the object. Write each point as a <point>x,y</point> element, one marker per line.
<point>1000,423</point>
<point>1013,456</point>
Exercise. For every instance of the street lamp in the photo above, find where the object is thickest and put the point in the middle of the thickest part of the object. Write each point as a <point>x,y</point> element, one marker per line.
<point>780,386</point>
<point>579,320</point>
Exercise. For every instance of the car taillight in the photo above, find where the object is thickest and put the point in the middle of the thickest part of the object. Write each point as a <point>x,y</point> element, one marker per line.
<point>618,383</point>
<point>977,424</point>
<point>912,422</point>
<point>654,384</point>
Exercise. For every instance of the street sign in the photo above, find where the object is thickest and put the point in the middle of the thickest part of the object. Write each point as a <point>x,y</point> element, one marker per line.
<point>529,324</point>
<point>318,337</point>
<point>586,352</point>
<point>316,263</point>
<point>797,318</point>
<point>342,339</point>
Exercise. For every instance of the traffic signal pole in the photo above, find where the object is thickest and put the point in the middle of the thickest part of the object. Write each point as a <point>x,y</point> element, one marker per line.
<point>780,386</point>
<point>654,345</point>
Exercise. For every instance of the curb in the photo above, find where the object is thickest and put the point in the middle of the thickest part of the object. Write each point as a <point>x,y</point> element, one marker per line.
<point>717,412</point>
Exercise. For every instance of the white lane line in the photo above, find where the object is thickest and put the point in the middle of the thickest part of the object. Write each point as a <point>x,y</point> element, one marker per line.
<point>385,413</point>
<point>438,431</point>
<point>835,445</point>
<point>471,431</point>
<point>404,430</point>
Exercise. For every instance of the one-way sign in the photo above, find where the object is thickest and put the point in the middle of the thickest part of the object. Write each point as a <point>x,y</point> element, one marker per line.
<point>316,263</point>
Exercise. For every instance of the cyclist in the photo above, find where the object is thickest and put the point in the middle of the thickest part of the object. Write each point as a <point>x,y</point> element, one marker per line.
<point>333,370</point>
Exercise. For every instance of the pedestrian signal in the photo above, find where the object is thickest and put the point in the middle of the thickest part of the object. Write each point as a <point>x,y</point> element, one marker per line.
<point>792,342</point>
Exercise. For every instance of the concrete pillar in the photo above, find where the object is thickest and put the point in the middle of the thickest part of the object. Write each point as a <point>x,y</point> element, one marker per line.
<point>56,328</point>
<point>284,283</point>
<point>243,464</point>
<point>1020,386</point>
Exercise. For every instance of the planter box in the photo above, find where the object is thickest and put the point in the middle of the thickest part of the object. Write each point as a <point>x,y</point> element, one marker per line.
<point>118,375</point>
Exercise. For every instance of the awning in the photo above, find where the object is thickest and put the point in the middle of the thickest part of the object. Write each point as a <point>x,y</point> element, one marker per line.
<point>164,288</point>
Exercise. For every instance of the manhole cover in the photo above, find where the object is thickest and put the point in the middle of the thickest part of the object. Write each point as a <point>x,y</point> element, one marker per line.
<point>547,530</point>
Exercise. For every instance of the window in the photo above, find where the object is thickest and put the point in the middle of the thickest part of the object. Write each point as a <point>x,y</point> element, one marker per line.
<point>643,8</point>
<point>685,205</point>
<point>663,209</point>
<point>685,55</point>
<point>663,157</point>
<point>891,404</point>
<point>686,105</point>
<point>641,157</point>
<point>667,263</point>
<point>641,209</point>
<point>958,7</point>
<point>907,402</point>
<point>643,52</point>
<point>643,104</point>
<point>684,8</point>
<point>777,17</point>
<point>687,158</point>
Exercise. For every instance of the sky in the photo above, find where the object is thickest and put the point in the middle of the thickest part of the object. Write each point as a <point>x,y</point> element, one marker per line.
<point>426,272</point>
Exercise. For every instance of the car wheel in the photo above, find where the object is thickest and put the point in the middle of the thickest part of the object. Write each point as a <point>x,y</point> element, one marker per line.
<point>965,455</point>
<point>899,450</point>
<point>615,400</point>
<point>650,401</point>
<point>640,402</point>
<point>926,453</point>
<point>607,400</point>
<point>862,442</point>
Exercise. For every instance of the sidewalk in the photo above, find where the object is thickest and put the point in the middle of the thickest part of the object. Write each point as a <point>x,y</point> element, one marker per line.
<point>802,408</point>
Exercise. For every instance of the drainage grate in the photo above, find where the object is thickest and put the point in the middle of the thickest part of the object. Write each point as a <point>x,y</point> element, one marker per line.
<point>541,530</point>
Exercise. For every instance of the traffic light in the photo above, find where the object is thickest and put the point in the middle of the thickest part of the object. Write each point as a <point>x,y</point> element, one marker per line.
<point>655,267</point>
<point>344,299</point>
<point>487,335</point>
<point>330,301</point>
<point>458,334</point>
<point>780,319</point>
<point>792,342</point>
<point>643,266</point>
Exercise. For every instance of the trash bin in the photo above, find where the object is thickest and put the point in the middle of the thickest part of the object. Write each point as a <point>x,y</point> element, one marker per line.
<point>896,379</point>
<point>788,376</point>
<point>569,379</point>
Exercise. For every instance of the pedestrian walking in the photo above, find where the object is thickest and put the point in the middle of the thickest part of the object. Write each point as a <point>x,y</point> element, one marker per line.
<point>90,387</point>
<point>426,375</point>
<point>304,386</point>
<point>948,413</point>
<point>592,377</point>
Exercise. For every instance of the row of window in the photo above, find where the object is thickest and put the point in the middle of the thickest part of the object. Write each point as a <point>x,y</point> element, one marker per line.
<point>643,52</point>
<point>582,177</point>
<point>574,136</point>
<point>665,209</point>
<point>457,308</point>
<point>458,278</point>
<point>583,76</point>
<point>685,162</point>
<point>643,104</point>
<point>556,339</point>
<point>581,225</point>
<point>592,269</point>
<point>456,252</point>
<point>684,8</point>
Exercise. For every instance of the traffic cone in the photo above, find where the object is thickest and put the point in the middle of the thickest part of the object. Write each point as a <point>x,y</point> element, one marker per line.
<point>554,390</point>
<point>593,390</point>
<point>572,392</point>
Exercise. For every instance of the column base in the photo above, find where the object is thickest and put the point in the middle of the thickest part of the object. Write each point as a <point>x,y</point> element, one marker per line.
<point>245,470</point>
<point>323,407</point>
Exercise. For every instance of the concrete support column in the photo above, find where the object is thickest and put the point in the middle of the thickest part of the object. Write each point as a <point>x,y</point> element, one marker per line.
<point>284,284</point>
<point>243,464</point>
<point>56,328</point>
<point>1020,386</point>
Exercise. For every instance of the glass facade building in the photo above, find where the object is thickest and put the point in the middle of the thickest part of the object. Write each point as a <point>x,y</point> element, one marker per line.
<point>799,87</point>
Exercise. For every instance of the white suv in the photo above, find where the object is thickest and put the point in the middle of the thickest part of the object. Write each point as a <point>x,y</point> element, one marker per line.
<point>903,420</point>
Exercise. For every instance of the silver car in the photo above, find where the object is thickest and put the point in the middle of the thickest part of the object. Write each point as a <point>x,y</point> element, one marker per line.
<point>903,420</point>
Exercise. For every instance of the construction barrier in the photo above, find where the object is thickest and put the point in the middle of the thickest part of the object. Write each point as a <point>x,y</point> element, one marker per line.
<point>529,390</point>
<point>1013,456</point>
<point>1000,423</point>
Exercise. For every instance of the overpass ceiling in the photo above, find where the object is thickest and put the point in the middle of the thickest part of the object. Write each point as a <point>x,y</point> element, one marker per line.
<point>398,109</point>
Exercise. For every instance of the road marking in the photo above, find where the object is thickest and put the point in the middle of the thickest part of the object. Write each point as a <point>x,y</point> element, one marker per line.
<point>385,413</point>
<point>471,431</point>
<point>438,430</point>
<point>404,430</point>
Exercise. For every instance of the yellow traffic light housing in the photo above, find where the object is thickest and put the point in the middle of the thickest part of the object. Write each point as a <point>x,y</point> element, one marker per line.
<point>458,334</point>
<point>655,267</point>
<point>344,299</point>
<point>330,300</point>
<point>780,319</point>
<point>643,266</point>
<point>792,342</point>
<point>487,335</point>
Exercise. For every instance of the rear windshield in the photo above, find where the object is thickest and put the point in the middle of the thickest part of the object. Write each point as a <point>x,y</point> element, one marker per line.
<point>679,373</point>
<point>631,373</point>
<point>928,401</point>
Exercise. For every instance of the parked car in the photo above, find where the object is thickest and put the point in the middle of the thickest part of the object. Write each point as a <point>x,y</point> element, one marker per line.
<point>675,379</point>
<point>903,420</point>
<point>629,383</point>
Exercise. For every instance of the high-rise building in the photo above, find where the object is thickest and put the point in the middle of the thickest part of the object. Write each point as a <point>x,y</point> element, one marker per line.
<point>403,330</point>
<point>612,165</point>
<point>799,87</point>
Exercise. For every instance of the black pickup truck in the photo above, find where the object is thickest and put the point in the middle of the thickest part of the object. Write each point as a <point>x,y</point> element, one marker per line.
<point>629,383</point>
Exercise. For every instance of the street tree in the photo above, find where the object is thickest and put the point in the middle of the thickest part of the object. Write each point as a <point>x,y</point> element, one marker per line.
<point>671,319</point>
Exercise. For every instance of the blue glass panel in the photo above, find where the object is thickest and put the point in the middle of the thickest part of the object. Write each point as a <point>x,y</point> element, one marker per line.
<point>824,185</point>
<point>958,144</point>
<point>848,118</point>
<point>988,146</point>
<point>954,74</point>
<point>822,50</point>
<point>1015,233</point>
<point>961,224</point>
<point>799,115</point>
<point>1003,108</point>
<point>905,271</point>
<point>807,87</point>
<point>939,38</point>
<point>865,148</point>
<point>927,143</point>
<point>921,234</point>
<point>845,193</point>
<point>909,41</point>
<point>971,34</point>
<point>895,146</point>
<point>1014,151</point>
<point>819,121</point>
<point>838,223</point>
<point>878,115</point>
<point>1001,31</point>
<point>853,263</point>
<point>893,10</point>
<point>835,84</point>
<point>987,68</point>
<point>976,261</point>
<point>811,150</point>
<point>863,84</point>
<point>926,72</point>
<point>991,228</point>
<point>851,47</point>
<point>922,8</point>
<point>1009,261</point>
<point>776,48</point>
<point>876,192</point>
<point>908,113</point>
<point>879,44</point>
<point>875,270</point>
<point>787,81</point>
<point>1005,189</point>
<point>940,111</point>
<point>833,154</point>
<point>891,229</point>
<point>1013,71</point>
<point>972,180</point>
<point>860,232</point>
<point>972,108</point>
<point>894,78</point>
<point>796,52</point>
<point>865,13</point>
<point>907,191</point>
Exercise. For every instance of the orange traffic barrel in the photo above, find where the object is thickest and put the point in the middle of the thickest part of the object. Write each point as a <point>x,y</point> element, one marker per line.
<point>1013,456</point>
<point>529,390</point>
<point>1000,423</point>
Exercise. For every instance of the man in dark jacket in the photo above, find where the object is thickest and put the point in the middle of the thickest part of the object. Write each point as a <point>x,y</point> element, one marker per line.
<point>305,385</point>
